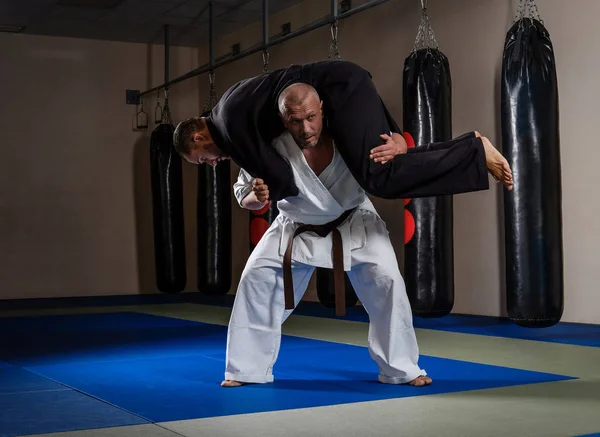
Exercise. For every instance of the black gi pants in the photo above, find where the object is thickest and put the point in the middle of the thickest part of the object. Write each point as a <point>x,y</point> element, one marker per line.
<point>453,167</point>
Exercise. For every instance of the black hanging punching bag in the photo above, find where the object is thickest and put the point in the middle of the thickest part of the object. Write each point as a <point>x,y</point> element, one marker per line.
<point>326,290</point>
<point>428,260</point>
<point>259,221</point>
<point>214,228</point>
<point>167,211</point>
<point>533,209</point>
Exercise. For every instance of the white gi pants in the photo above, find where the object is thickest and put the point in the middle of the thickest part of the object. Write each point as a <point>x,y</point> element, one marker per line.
<point>254,334</point>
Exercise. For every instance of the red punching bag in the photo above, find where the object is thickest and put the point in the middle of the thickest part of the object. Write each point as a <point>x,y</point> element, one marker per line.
<point>259,222</point>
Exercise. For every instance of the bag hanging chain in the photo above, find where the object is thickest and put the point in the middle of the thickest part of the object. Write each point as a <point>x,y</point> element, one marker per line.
<point>158,111</point>
<point>166,109</point>
<point>528,9</point>
<point>334,50</point>
<point>425,36</point>
<point>212,94</point>
<point>266,60</point>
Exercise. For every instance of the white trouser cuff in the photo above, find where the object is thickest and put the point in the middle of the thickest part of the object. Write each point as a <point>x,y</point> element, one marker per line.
<point>253,379</point>
<point>401,379</point>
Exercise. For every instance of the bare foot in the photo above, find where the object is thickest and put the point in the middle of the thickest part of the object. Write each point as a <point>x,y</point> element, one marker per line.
<point>497,164</point>
<point>420,381</point>
<point>229,383</point>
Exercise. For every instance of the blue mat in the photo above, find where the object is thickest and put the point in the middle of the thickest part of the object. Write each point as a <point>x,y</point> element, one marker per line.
<point>165,369</point>
<point>55,411</point>
<point>14,380</point>
<point>565,333</point>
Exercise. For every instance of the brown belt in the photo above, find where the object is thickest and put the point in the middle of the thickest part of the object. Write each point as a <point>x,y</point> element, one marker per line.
<point>338,262</point>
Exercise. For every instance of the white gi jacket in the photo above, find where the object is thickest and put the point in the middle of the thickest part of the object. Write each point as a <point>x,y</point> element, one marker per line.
<point>321,199</point>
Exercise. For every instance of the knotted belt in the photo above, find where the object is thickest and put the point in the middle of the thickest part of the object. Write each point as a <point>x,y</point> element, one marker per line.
<point>338,262</point>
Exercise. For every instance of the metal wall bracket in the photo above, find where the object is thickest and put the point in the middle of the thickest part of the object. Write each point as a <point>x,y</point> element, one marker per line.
<point>345,5</point>
<point>346,10</point>
<point>132,97</point>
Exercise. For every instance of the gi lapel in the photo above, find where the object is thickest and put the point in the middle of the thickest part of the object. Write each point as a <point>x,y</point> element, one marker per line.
<point>311,186</point>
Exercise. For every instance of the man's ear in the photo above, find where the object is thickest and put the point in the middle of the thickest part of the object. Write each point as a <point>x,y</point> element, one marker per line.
<point>198,137</point>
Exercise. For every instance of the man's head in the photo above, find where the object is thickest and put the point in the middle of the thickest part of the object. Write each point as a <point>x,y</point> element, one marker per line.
<point>193,141</point>
<point>301,111</point>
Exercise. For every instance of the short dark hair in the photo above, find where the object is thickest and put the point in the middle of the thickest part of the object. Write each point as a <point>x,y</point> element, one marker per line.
<point>184,134</point>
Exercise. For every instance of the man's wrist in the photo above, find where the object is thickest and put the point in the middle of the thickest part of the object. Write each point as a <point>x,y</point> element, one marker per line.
<point>252,203</point>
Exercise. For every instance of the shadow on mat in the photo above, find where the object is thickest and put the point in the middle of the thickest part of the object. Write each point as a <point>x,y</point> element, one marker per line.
<point>318,385</point>
<point>51,344</point>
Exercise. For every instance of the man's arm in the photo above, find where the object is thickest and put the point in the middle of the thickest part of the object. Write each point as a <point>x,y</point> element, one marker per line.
<point>251,202</point>
<point>250,193</point>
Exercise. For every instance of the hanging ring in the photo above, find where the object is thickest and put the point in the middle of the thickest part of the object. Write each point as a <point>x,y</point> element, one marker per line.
<point>334,31</point>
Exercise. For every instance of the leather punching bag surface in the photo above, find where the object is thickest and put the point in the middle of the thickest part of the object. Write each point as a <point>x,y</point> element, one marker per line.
<point>533,209</point>
<point>259,222</point>
<point>214,228</point>
<point>167,211</point>
<point>428,259</point>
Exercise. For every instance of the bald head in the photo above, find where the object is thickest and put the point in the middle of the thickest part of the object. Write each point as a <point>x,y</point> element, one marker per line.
<point>301,111</point>
<point>298,94</point>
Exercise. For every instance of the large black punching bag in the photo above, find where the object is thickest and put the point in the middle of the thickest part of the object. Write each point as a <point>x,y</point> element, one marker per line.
<point>428,224</point>
<point>214,228</point>
<point>533,209</point>
<point>167,211</point>
<point>326,289</point>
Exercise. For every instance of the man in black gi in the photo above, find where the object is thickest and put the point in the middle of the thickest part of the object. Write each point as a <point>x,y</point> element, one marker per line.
<point>243,124</point>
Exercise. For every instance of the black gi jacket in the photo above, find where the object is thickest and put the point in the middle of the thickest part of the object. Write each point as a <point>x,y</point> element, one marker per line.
<point>246,121</point>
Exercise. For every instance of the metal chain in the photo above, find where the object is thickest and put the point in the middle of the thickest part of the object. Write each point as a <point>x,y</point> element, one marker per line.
<point>425,36</point>
<point>166,109</point>
<point>528,9</point>
<point>158,111</point>
<point>334,50</point>
<point>212,94</point>
<point>266,61</point>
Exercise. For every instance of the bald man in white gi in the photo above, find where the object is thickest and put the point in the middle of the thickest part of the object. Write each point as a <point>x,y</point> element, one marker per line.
<point>328,191</point>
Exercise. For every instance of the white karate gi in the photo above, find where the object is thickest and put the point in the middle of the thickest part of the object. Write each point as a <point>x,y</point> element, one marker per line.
<point>254,334</point>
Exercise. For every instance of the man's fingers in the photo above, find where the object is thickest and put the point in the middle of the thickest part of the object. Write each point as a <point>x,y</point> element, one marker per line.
<point>385,137</point>
<point>386,155</point>
<point>383,153</point>
<point>382,148</point>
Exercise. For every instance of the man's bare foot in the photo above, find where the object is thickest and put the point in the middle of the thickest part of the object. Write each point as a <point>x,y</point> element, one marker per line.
<point>229,383</point>
<point>497,164</point>
<point>420,381</point>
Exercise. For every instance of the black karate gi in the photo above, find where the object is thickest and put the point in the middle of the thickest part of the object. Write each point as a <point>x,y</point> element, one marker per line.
<point>246,120</point>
